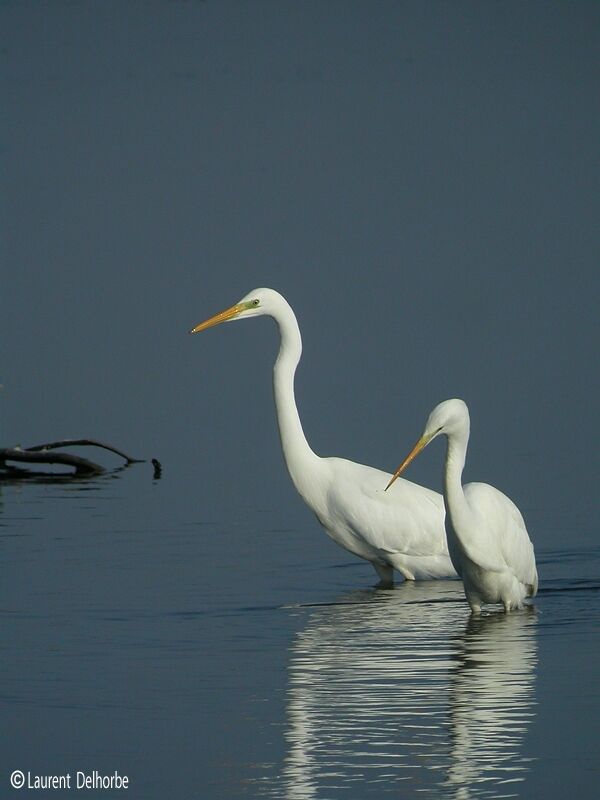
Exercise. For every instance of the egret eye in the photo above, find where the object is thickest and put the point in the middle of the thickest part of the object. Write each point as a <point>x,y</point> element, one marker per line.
<point>256,302</point>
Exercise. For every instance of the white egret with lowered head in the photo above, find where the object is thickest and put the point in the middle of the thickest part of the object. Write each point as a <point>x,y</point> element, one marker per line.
<point>402,529</point>
<point>487,538</point>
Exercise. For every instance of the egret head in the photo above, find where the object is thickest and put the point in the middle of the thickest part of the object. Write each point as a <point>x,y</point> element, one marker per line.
<point>256,303</point>
<point>450,418</point>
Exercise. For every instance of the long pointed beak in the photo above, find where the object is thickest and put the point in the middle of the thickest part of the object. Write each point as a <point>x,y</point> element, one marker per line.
<point>420,445</point>
<point>222,316</point>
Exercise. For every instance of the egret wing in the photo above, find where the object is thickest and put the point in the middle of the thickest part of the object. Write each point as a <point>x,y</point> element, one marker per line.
<point>407,519</point>
<point>501,540</point>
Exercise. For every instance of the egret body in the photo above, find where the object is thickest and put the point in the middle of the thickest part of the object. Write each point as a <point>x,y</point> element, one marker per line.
<point>487,538</point>
<point>402,529</point>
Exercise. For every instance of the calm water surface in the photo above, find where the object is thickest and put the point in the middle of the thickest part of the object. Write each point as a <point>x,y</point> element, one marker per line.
<point>136,638</point>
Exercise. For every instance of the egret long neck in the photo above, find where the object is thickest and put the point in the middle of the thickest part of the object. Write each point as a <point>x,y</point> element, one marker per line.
<point>299,458</point>
<point>454,495</point>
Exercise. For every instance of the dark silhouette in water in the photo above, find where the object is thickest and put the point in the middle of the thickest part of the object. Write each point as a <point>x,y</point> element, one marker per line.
<point>41,454</point>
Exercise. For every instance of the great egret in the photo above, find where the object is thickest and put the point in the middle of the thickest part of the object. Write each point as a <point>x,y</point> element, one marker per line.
<point>403,529</point>
<point>487,538</point>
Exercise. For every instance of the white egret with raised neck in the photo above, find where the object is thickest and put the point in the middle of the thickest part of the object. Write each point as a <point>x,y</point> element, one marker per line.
<point>399,530</point>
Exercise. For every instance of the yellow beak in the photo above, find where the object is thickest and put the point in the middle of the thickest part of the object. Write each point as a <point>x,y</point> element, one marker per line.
<point>222,316</point>
<point>420,445</point>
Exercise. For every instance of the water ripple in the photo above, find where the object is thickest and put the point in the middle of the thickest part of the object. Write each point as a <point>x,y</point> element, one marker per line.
<point>382,692</point>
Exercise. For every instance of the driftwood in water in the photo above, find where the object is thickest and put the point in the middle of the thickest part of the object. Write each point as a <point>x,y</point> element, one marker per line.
<point>82,465</point>
<point>80,443</point>
<point>40,454</point>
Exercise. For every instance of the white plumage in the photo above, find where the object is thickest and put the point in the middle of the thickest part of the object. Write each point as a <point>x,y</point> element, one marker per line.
<point>402,529</point>
<point>487,538</point>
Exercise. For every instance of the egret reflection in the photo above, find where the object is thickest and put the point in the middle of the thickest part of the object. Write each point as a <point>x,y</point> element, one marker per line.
<point>399,689</point>
<point>492,703</point>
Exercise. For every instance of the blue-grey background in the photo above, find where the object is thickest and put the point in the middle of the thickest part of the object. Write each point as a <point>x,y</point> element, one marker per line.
<point>420,180</point>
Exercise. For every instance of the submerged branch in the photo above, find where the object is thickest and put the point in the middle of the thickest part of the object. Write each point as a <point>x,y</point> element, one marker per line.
<point>82,466</point>
<point>41,454</point>
<point>82,443</point>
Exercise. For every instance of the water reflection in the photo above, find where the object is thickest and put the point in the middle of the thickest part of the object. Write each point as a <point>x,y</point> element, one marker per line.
<point>402,689</point>
<point>21,477</point>
<point>491,697</point>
